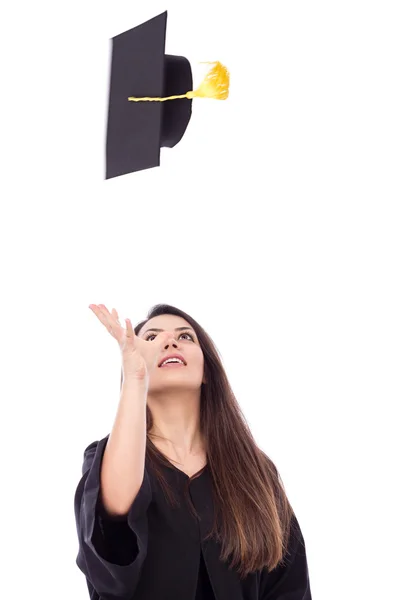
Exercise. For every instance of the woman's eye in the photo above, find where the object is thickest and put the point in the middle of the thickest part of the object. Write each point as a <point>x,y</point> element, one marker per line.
<point>188,334</point>
<point>153,335</point>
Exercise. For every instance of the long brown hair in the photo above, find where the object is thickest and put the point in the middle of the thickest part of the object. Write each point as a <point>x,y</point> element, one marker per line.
<point>252,512</point>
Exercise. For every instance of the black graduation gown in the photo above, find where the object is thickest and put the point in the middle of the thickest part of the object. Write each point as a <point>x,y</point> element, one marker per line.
<point>154,552</point>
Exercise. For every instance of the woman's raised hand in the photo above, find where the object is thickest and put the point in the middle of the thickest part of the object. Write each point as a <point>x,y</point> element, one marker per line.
<point>139,357</point>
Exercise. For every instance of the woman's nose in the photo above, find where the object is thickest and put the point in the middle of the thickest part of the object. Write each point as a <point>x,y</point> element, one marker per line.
<point>171,342</point>
<point>174,344</point>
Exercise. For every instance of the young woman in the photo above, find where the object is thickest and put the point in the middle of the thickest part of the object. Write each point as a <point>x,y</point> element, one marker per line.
<point>178,502</point>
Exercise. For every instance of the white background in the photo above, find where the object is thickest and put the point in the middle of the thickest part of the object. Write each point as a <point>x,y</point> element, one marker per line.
<point>275,223</point>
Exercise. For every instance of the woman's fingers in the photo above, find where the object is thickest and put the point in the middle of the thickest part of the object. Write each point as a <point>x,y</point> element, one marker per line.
<point>130,333</point>
<point>100,314</point>
<point>107,319</point>
<point>104,309</point>
<point>115,315</point>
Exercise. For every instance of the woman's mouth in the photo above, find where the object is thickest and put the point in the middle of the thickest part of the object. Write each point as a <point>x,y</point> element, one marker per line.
<point>174,360</point>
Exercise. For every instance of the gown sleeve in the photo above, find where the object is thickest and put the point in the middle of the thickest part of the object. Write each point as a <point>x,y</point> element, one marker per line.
<point>112,549</point>
<point>290,579</point>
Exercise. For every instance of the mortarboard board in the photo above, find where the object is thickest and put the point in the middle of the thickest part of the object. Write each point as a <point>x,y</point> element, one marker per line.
<point>150,97</point>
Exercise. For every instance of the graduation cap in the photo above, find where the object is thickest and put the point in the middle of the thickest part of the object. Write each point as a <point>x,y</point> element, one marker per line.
<point>150,97</point>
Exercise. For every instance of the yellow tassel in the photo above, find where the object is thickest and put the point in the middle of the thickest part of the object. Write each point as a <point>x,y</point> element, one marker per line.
<point>214,85</point>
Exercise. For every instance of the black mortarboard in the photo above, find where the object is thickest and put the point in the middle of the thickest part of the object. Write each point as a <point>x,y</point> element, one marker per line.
<point>144,112</point>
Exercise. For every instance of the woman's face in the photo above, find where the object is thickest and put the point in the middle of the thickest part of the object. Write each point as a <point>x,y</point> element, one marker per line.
<point>185,344</point>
